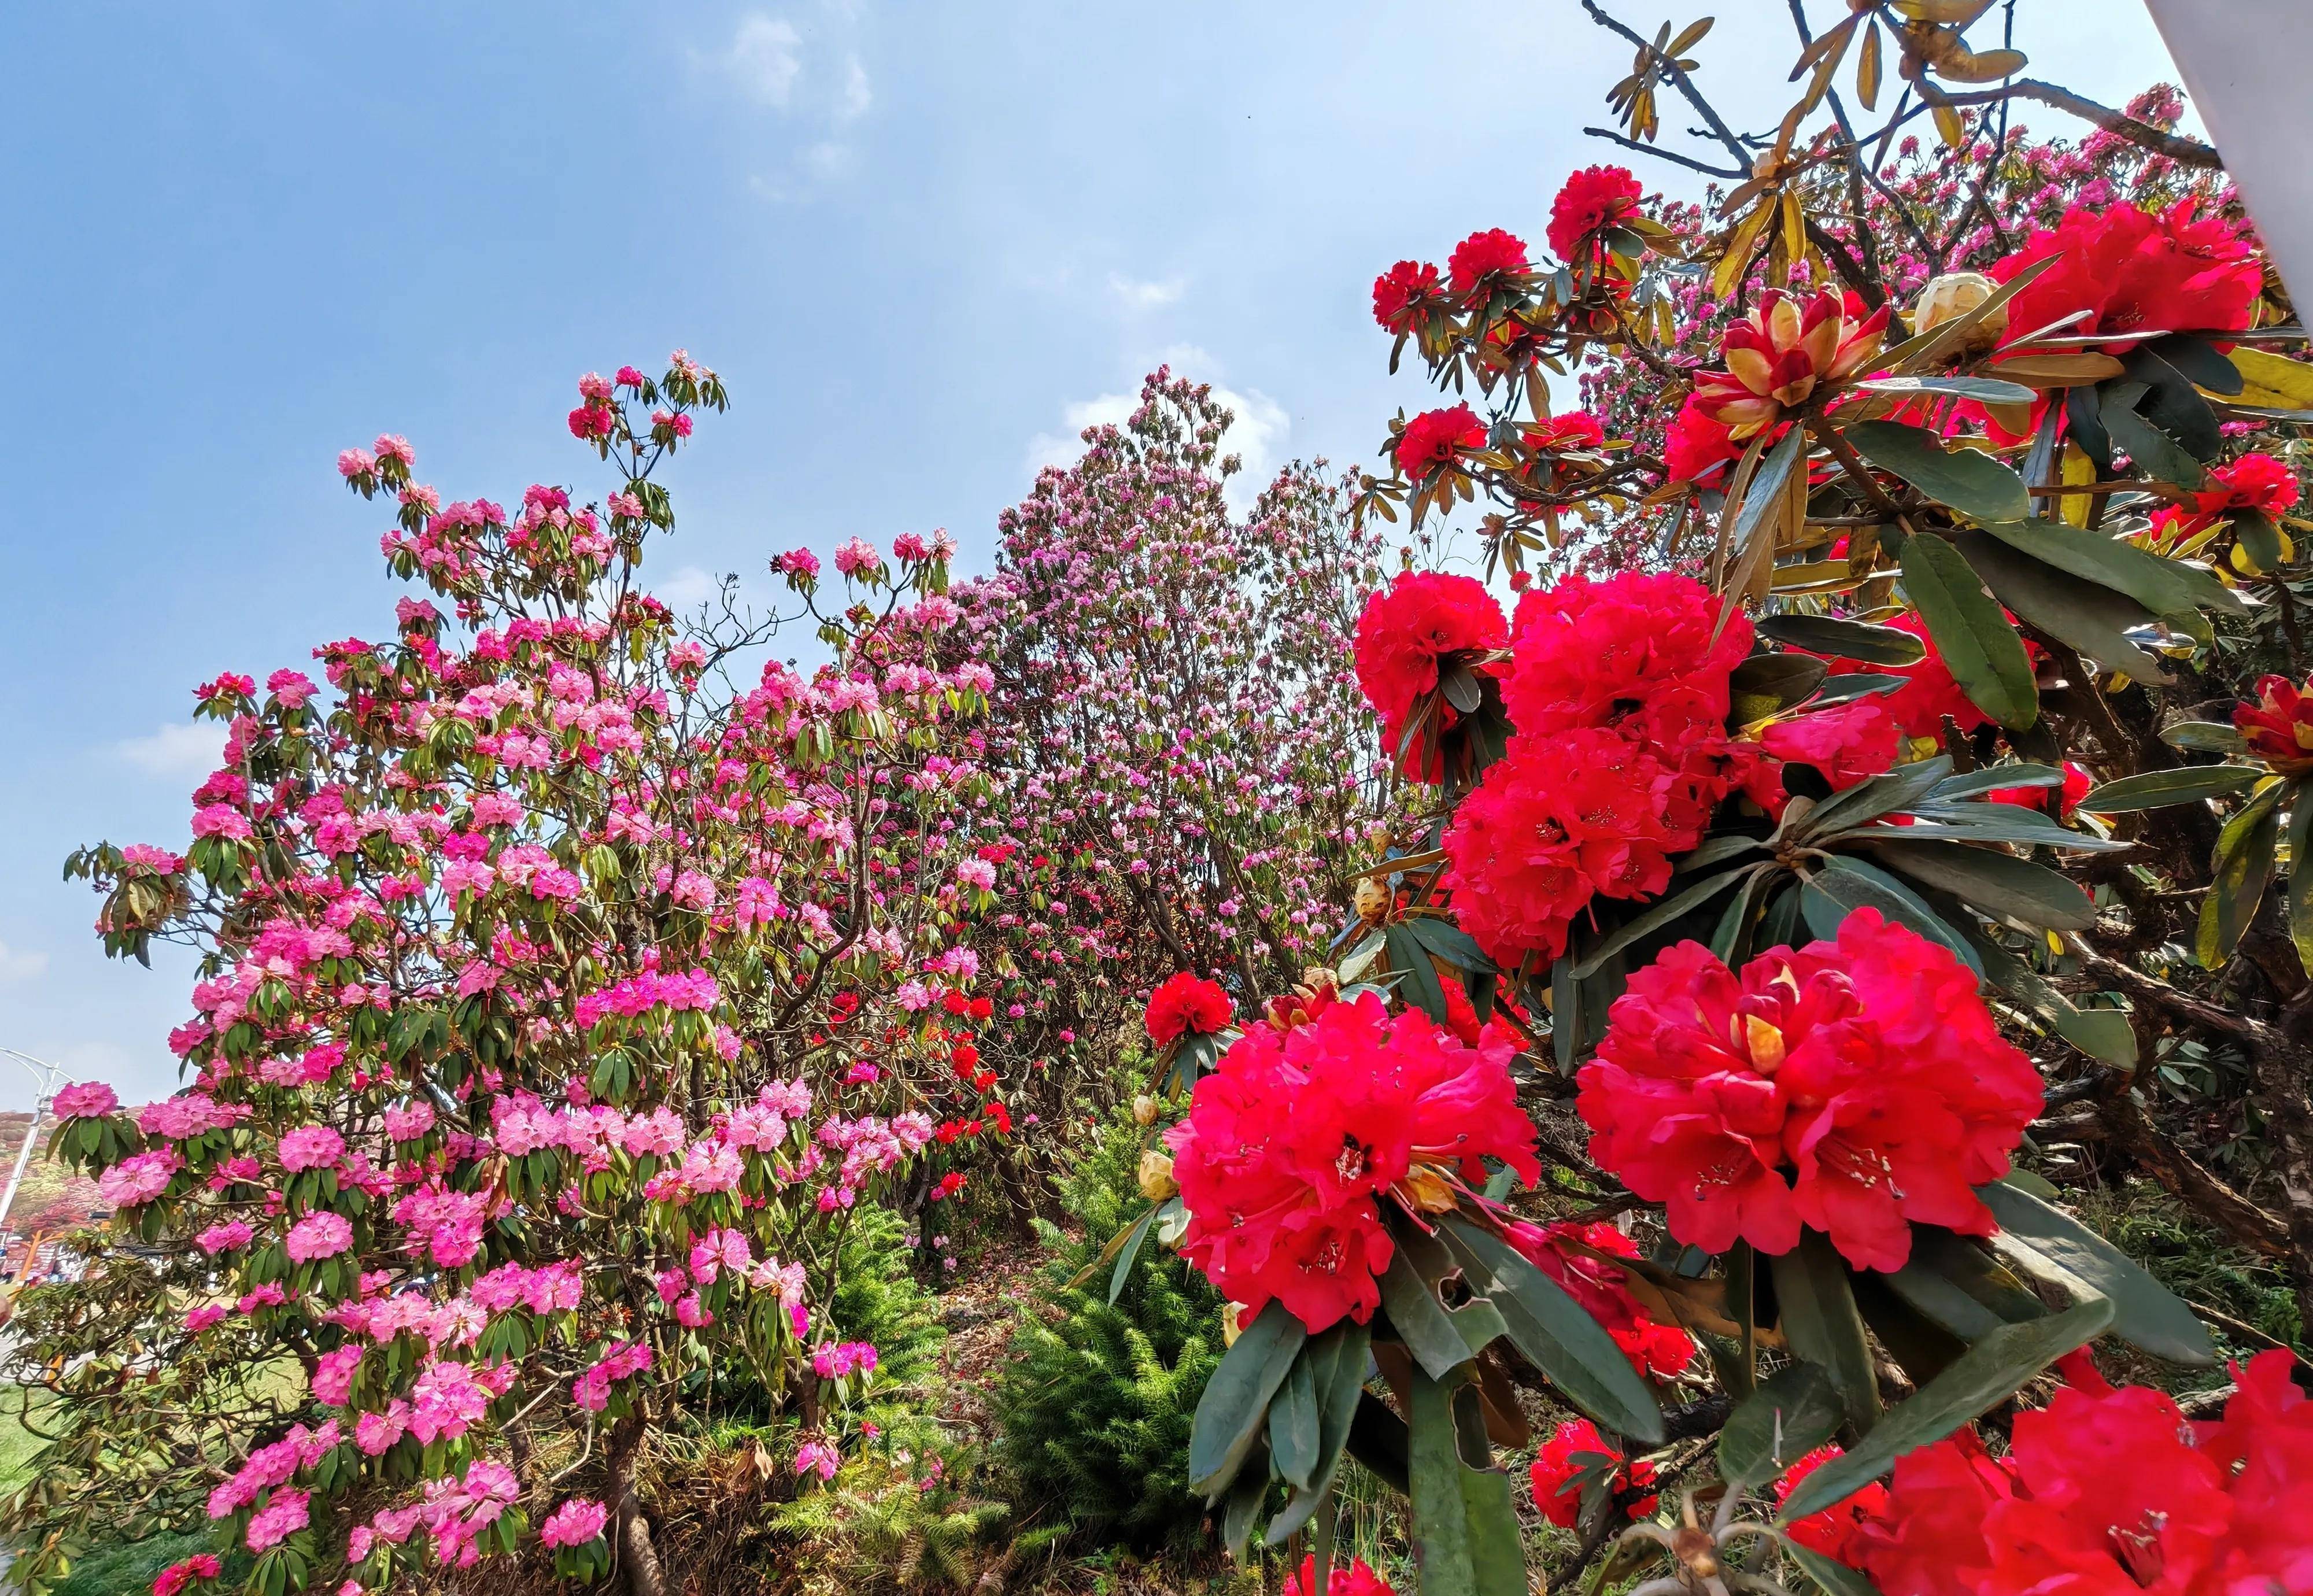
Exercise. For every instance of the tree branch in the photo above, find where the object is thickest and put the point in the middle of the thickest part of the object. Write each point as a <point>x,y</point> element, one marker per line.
<point>1673,157</point>
<point>2184,152</point>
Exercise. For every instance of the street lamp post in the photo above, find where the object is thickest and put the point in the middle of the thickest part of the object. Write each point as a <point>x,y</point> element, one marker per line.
<point>47,1077</point>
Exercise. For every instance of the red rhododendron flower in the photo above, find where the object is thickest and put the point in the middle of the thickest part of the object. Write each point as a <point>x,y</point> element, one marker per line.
<point>1831,1532</point>
<point>2266,1447</point>
<point>1434,437</point>
<point>1695,447</point>
<point>1574,1449</point>
<point>1404,292</point>
<point>2278,727</point>
<point>1926,1536</point>
<point>1594,197</point>
<point>2258,482</point>
<point>1574,429</point>
<point>2077,782</point>
<point>1293,1142</point>
<point>1635,652</point>
<point>2136,275</point>
<point>1852,1089</point>
<point>1481,261</point>
<point>1403,634</point>
<point>1184,1003</point>
<point>1558,1251</point>
<point>1356,1580</point>
<point>1849,743</point>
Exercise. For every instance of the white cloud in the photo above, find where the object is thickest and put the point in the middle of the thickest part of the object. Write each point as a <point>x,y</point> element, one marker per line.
<point>856,98</point>
<point>189,750</point>
<point>27,964</point>
<point>1142,297</point>
<point>765,58</point>
<point>686,587</point>
<point>1257,435</point>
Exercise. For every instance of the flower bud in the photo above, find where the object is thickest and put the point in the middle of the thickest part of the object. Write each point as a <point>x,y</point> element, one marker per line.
<point>1371,898</point>
<point>1232,1326</point>
<point>1156,1182</point>
<point>1144,1110</point>
<point>1954,294</point>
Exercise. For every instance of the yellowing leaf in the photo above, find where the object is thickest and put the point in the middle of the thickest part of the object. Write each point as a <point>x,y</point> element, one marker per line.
<point>2080,472</point>
<point>1866,70</point>
<point>1729,269</point>
<point>2290,380</point>
<point>1953,131</point>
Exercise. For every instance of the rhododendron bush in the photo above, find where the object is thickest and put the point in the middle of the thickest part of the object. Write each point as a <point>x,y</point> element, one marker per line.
<point>1787,829</point>
<point>570,974</point>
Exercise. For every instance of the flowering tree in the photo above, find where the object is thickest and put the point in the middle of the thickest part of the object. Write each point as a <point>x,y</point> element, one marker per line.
<point>1164,746</point>
<point>562,997</point>
<point>1779,857</point>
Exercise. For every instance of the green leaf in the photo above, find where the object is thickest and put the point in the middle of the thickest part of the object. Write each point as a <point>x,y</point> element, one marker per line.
<point>2241,868</point>
<point>1990,879</point>
<point>1293,1424</point>
<point>1988,1372</point>
<point>1961,1286</point>
<point>2005,822</point>
<point>1766,682</point>
<point>1868,800</point>
<point>1557,1335</point>
<point>1245,1497</point>
<point>1965,479</point>
<point>1845,885</point>
<point>1991,778</point>
<point>2203,736</point>
<point>1126,1254</point>
<point>1421,987</point>
<point>2198,360</point>
<point>1786,1418</point>
<point>1984,390</point>
<point>2154,452</point>
<point>1847,640</point>
<point>2103,1033</point>
<point>1465,1528</point>
<point>1439,1338</point>
<point>2145,1313</point>
<point>2157,789</point>
<point>2095,620</point>
<point>1834,1578</point>
<point>1229,1414</point>
<point>1822,1326</point>
<point>2300,874</point>
<point>1379,1440</point>
<point>1985,655</point>
<point>1449,942</point>
<point>1663,913</point>
<point>2163,586</point>
<point>1854,684</point>
<point>2258,539</point>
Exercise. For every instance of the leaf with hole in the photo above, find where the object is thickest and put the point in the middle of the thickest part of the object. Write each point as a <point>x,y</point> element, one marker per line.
<point>1465,1527</point>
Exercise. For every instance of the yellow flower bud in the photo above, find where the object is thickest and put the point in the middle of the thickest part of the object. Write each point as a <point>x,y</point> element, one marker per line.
<point>1156,1182</point>
<point>1144,1110</point>
<point>1954,294</point>
<point>1371,898</point>
<point>1232,1326</point>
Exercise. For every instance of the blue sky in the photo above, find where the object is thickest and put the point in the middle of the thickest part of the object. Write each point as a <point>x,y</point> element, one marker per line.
<point>922,243</point>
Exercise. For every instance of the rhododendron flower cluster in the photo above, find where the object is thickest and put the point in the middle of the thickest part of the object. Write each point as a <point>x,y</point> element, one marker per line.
<point>2106,1489</point>
<point>1402,637</point>
<point>1575,1451</point>
<point>2278,727</point>
<point>2135,273</point>
<point>1356,1579</point>
<point>1782,353</point>
<point>1438,437</point>
<point>1619,691</point>
<point>1590,201</point>
<point>1853,1088</point>
<point>1185,1005</point>
<point>1293,1144</point>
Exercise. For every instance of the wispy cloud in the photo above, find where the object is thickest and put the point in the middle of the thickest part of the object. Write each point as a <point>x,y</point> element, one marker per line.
<point>1137,295</point>
<point>189,750</point>
<point>764,58</point>
<point>856,97</point>
<point>1256,436</point>
<point>25,964</point>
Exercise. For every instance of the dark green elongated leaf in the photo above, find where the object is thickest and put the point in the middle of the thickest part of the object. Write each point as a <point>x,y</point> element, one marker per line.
<point>1991,778</point>
<point>1565,1010</point>
<point>1230,1413</point>
<point>2006,822</point>
<point>2242,870</point>
<point>2258,538</point>
<point>2300,874</point>
<point>1246,1496</point>
<point>1716,852</point>
<point>2094,619</point>
<point>2155,453</point>
<point>1379,1440</point>
<point>1336,1359</point>
<point>1855,684</point>
<point>1965,479</point>
<point>1991,880</point>
<point>2163,586</point>
<point>1766,682</point>
<point>1466,1529</point>
<point>1558,1335</point>
<point>1943,1302</point>
<point>1421,987</point>
<point>1450,943</point>
<point>2084,420</point>
<point>1822,1326</point>
<point>1126,1254</point>
<point>1293,1425</point>
<point>1776,1425</point>
<point>1884,794</point>
<point>2100,1033</point>
<point>1834,1578</point>
<point>2145,1313</point>
<point>2202,736</point>
<point>2157,789</point>
<point>1847,640</point>
<point>1845,885</point>
<point>1988,1372</point>
<point>1439,1338</point>
<point>2198,360</point>
<point>1960,1285</point>
<point>1753,540</point>
<point>1986,656</point>
<point>2172,404</point>
<point>1661,914</point>
<point>1734,920</point>
<point>1462,690</point>
<point>1984,390</point>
